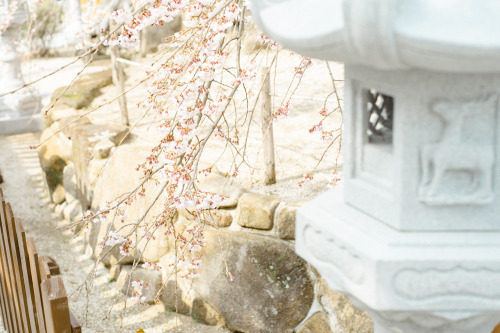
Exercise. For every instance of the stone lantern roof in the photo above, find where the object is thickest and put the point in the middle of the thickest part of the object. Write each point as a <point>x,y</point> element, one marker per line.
<point>447,35</point>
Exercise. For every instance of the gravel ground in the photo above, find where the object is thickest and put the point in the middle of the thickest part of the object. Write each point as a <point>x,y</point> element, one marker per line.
<point>104,311</point>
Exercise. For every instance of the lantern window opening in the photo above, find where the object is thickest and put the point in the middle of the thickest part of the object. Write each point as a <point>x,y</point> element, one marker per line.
<point>380,115</point>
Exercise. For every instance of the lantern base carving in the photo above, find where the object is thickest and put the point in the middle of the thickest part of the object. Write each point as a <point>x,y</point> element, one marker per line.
<point>407,281</point>
<point>20,113</point>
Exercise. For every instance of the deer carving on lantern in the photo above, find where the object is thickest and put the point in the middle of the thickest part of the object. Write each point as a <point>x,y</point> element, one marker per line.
<point>453,153</point>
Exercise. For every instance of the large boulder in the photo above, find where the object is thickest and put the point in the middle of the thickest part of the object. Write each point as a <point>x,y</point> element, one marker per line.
<point>109,256</point>
<point>69,122</point>
<point>176,295</point>
<point>69,182</point>
<point>54,153</point>
<point>112,185</point>
<point>84,90</point>
<point>251,41</point>
<point>95,169</point>
<point>343,317</point>
<point>256,283</point>
<point>58,194</point>
<point>224,186</point>
<point>257,211</point>
<point>154,36</point>
<point>179,296</point>
<point>54,145</point>
<point>52,112</point>
<point>72,210</point>
<point>152,282</point>
<point>84,139</point>
<point>103,148</point>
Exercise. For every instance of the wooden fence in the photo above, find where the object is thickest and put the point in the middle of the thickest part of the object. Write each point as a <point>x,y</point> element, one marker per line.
<point>31,298</point>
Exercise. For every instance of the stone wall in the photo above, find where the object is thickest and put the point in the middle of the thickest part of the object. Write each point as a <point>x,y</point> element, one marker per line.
<point>250,280</point>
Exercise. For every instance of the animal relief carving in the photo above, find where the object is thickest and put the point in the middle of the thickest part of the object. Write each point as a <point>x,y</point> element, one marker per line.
<point>457,170</point>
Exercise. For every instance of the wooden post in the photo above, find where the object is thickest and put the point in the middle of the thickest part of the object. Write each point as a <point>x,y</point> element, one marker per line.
<point>267,129</point>
<point>119,82</point>
<point>55,304</point>
<point>144,45</point>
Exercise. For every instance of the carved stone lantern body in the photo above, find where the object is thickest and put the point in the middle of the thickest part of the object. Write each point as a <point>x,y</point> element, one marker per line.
<point>16,109</point>
<point>413,236</point>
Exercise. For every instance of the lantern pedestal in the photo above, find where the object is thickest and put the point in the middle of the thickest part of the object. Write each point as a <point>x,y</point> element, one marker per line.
<point>411,282</point>
<point>413,237</point>
<point>19,111</point>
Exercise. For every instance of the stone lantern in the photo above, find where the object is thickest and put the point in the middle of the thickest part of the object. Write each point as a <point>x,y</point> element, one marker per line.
<point>72,22</point>
<point>18,111</point>
<point>413,237</point>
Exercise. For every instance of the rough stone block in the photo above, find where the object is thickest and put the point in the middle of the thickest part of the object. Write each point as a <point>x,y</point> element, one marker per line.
<point>60,113</point>
<point>285,220</point>
<point>72,210</point>
<point>59,209</point>
<point>58,194</point>
<point>176,298</point>
<point>54,155</point>
<point>69,180</point>
<point>151,277</point>
<point>69,197</point>
<point>102,148</point>
<point>223,186</point>
<point>84,90</point>
<point>257,211</point>
<point>318,324</point>
<point>114,271</point>
<point>84,139</point>
<point>68,123</point>
<point>113,184</point>
<point>342,315</point>
<point>153,36</point>
<point>220,218</point>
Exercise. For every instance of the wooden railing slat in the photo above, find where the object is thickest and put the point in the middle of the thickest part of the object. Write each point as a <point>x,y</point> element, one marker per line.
<point>75,326</point>
<point>55,304</point>
<point>14,247</point>
<point>35,277</point>
<point>25,270</point>
<point>53,267</point>
<point>8,305</point>
<point>13,296</point>
<point>3,299</point>
<point>43,263</point>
